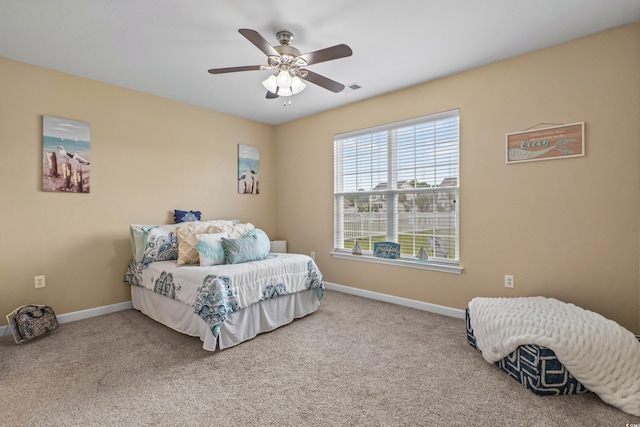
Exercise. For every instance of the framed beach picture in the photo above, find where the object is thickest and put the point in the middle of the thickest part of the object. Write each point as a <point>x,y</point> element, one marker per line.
<point>248,169</point>
<point>555,142</point>
<point>65,155</point>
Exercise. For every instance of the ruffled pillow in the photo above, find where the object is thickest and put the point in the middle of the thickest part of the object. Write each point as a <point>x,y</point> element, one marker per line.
<point>210,250</point>
<point>235,231</point>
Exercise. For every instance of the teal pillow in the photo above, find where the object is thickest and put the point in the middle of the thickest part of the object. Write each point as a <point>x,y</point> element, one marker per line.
<point>253,246</point>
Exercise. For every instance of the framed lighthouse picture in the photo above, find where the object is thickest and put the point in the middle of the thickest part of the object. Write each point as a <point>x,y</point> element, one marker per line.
<point>248,169</point>
<point>66,158</point>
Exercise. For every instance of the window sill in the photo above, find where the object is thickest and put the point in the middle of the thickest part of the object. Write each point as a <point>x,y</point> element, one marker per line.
<point>431,265</point>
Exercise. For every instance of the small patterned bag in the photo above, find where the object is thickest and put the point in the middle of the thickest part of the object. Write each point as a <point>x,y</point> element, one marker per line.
<point>31,321</point>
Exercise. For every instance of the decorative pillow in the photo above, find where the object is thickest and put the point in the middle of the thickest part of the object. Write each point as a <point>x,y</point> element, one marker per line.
<point>160,245</point>
<point>137,236</point>
<point>188,241</point>
<point>186,216</point>
<point>138,233</point>
<point>210,250</point>
<point>235,231</point>
<point>252,247</point>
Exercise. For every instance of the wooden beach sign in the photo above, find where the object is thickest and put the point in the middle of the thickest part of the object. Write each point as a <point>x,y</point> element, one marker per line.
<point>556,142</point>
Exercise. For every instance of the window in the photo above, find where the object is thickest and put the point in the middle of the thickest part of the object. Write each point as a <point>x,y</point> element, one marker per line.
<point>399,183</point>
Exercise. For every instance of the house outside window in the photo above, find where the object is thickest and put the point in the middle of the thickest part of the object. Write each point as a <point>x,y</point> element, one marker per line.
<point>400,183</point>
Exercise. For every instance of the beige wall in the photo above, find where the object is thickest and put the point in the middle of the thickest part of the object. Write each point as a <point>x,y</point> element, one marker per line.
<point>564,228</point>
<point>149,156</point>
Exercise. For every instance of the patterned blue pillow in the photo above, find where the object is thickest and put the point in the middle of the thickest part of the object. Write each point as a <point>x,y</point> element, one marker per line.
<point>185,216</point>
<point>159,245</point>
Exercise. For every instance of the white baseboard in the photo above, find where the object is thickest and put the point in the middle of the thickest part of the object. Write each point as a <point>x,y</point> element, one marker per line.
<point>433,308</point>
<point>82,314</point>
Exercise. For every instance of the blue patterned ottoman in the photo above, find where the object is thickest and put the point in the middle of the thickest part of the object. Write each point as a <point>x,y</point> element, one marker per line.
<point>535,367</point>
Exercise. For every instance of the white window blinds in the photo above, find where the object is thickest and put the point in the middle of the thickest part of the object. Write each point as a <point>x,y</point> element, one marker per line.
<point>399,183</point>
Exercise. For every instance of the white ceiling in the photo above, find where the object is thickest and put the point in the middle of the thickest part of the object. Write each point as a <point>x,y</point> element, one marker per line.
<point>165,47</point>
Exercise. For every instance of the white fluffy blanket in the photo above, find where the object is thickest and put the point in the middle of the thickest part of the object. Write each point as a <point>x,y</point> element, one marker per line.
<point>598,352</point>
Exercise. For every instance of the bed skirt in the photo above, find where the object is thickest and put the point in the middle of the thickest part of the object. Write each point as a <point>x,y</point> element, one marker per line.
<point>239,326</point>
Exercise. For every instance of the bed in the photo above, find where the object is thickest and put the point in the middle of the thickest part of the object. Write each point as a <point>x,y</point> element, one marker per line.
<point>225,302</point>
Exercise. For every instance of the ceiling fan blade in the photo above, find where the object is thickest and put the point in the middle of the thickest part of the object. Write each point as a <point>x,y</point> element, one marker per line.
<point>259,41</point>
<point>323,81</point>
<point>271,95</point>
<point>234,69</point>
<point>328,54</point>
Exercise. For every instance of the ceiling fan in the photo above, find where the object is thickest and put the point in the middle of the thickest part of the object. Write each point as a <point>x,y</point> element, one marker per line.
<point>289,64</point>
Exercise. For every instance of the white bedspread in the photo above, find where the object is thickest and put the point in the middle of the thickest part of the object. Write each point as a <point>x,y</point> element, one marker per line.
<point>598,352</point>
<point>250,279</point>
<point>216,291</point>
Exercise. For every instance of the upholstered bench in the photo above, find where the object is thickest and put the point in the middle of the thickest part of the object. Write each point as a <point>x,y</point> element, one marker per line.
<point>537,368</point>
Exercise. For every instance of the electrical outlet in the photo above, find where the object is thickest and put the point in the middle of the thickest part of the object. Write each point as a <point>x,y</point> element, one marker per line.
<point>508,281</point>
<point>39,281</point>
<point>313,254</point>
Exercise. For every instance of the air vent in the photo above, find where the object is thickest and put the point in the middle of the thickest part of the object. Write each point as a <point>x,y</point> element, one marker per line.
<point>352,86</point>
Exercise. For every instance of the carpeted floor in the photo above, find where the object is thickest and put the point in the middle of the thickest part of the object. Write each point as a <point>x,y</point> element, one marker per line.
<point>354,362</point>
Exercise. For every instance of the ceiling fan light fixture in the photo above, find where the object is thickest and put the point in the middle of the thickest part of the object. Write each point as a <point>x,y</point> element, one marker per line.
<point>284,79</point>
<point>285,91</point>
<point>271,83</point>
<point>297,85</point>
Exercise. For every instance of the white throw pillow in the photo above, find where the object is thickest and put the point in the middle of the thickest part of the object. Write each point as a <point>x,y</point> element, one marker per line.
<point>210,249</point>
